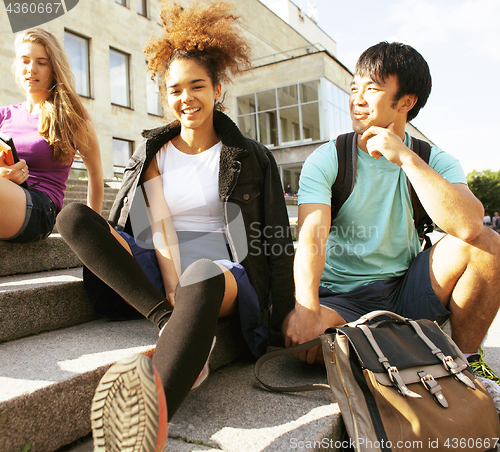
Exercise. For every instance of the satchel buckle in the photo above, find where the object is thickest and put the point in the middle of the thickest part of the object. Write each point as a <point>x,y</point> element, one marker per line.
<point>398,382</point>
<point>434,388</point>
<point>452,367</point>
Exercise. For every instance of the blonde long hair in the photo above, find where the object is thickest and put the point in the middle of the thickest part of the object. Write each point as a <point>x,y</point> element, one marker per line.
<point>64,122</point>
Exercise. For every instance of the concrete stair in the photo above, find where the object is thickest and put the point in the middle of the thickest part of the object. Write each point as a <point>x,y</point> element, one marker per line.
<point>53,352</point>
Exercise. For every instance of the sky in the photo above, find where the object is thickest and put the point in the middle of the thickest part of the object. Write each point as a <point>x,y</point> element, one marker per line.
<point>460,40</point>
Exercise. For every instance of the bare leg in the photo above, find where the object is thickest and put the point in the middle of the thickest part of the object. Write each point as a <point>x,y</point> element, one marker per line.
<point>466,278</point>
<point>13,208</point>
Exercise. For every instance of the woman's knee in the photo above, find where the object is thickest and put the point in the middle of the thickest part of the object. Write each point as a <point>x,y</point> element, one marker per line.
<point>73,218</point>
<point>202,270</point>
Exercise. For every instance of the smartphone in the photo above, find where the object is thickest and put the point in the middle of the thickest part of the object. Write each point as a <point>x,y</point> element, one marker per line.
<point>7,146</point>
<point>10,153</point>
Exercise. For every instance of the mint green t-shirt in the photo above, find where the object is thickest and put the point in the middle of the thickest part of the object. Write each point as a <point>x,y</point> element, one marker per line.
<point>373,237</point>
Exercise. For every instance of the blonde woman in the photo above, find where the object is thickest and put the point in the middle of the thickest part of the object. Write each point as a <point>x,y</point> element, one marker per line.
<point>48,130</point>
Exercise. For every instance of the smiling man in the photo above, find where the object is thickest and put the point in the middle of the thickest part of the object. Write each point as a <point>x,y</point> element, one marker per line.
<point>369,256</point>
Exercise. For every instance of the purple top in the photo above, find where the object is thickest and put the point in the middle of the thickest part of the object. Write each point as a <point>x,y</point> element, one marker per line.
<point>45,174</point>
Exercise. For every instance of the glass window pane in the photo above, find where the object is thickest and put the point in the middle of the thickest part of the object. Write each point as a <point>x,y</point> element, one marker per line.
<point>247,126</point>
<point>153,96</point>
<point>288,95</point>
<point>141,7</point>
<point>122,150</point>
<point>337,121</point>
<point>77,49</point>
<point>121,2</point>
<point>246,104</point>
<point>344,100</point>
<point>290,124</point>
<point>309,92</point>
<point>119,75</point>
<point>268,129</point>
<point>266,100</point>
<point>336,92</point>
<point>310,121</point>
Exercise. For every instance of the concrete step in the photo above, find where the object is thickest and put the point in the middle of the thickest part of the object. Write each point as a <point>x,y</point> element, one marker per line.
<point>37,302</point>
<point>50,254</point>
<point>48,380</point>
<point>82,188</point>
<point>106,204</point>
<point>81,196</point>
<point>213,419</point>
<point>231,412</point>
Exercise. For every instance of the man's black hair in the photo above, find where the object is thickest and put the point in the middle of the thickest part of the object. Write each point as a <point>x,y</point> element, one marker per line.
<point>385,59</point>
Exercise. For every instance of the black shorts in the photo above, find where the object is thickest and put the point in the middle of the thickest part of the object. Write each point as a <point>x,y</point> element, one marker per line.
<point>409,295</point>
<point>40,218</point>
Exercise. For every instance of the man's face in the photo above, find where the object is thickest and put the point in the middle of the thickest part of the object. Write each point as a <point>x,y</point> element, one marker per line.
<point>372,103</point>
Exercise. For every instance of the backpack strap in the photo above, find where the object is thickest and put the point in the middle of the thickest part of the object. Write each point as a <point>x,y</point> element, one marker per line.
<point>347,159</point>
<point>423,221</point>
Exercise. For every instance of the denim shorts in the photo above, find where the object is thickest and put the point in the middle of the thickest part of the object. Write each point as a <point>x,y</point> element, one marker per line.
<point>40,218</point>
<point>409,295</point>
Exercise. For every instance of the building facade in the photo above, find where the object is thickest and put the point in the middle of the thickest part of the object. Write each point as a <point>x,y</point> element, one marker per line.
<point>293,100</point>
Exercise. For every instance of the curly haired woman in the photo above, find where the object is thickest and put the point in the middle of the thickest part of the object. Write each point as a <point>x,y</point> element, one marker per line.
<point>48,130</point>
<point>217,244</point>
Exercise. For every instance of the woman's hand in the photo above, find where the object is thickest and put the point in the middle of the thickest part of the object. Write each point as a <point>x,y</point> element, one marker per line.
<point>17,173</point>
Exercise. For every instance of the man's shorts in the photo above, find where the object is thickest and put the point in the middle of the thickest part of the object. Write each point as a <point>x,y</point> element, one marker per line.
<point>40,218</point>
<point>409,295</point>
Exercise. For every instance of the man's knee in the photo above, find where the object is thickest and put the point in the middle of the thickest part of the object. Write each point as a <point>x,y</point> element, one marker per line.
<point>487,246</point>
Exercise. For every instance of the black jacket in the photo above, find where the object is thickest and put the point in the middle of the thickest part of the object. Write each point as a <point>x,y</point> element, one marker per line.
<point>253,208</point>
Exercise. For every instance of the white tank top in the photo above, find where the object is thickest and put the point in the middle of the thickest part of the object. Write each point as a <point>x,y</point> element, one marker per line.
<point>190,187</point>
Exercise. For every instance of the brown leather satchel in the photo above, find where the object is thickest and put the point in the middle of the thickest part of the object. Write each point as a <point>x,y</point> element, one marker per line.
<point>402,385</point>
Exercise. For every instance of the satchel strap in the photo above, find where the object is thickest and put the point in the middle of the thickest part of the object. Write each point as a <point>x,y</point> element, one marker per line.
<point>288,351</point>
<point>391,370</point>
<point>448,362</point>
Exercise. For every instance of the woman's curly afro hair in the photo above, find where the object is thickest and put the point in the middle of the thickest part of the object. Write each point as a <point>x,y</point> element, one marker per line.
<point>205,32</point>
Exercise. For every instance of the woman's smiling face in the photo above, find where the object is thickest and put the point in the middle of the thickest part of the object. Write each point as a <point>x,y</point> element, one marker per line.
<point>191,94</point>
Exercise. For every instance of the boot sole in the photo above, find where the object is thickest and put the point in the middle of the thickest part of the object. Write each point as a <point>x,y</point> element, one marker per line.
<point>129,410</point>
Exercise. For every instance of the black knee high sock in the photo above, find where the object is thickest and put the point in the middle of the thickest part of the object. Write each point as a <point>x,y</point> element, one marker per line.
<point>184,344</point>
<point>89,236</point>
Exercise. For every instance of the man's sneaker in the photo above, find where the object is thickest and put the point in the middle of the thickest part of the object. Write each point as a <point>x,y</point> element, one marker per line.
<point>487,376</point>
<point>480,368</point>
<point>129,409</point>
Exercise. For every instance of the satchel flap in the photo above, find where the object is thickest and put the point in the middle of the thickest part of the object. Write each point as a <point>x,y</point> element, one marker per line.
<point>400,344</point>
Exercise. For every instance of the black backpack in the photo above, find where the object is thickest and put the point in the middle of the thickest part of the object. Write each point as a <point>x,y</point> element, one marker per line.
<point>344,183</point>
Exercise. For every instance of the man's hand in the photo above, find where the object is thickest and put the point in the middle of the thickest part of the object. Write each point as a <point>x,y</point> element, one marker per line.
<point>303,325</point>
<point>381,141</point>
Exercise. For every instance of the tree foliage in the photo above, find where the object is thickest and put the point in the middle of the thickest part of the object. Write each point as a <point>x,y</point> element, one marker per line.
<point>486,187</point>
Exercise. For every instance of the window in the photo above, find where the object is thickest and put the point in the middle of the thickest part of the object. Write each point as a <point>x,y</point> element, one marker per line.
<point>122,150</point>
<point>289,114</point>
<point>142,8</point>
<point>153,96</point>
<point>121,2</point>
<point>339,119</point>
<point>119,77</point>
<point>77,49</point>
